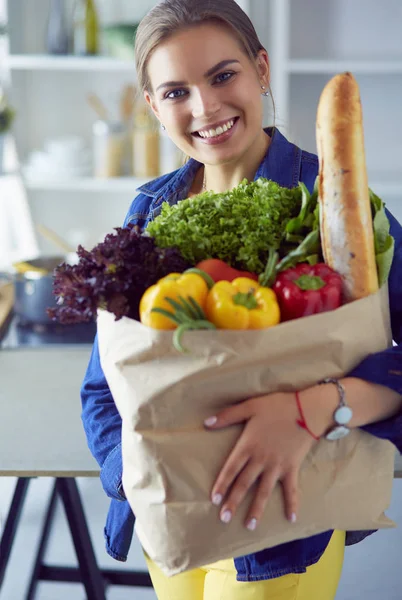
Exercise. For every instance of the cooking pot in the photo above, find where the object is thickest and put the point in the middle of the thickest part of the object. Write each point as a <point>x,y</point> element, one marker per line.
<point>34,289</point>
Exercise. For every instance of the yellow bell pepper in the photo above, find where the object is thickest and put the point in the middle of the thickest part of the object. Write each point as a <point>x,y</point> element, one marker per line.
<point>242,304</point>
<point>174,286</point>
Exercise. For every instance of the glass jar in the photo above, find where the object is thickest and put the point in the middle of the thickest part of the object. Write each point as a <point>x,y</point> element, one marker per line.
<point>109,144</point>
<point>146,145</point>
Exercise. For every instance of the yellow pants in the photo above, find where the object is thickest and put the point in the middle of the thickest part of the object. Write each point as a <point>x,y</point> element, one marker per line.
<point>218,581</point>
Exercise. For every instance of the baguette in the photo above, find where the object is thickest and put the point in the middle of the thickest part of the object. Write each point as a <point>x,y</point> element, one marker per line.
<point>347,237</point>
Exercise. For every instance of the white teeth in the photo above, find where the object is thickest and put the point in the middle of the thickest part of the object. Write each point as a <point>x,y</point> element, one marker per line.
<point>218,131</point>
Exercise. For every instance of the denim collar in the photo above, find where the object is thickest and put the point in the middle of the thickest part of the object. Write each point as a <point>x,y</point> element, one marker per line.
<point>281,164</point>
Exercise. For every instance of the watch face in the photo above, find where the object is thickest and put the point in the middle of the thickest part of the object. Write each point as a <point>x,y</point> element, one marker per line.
<point>337,433</point>
<point>343,415</point>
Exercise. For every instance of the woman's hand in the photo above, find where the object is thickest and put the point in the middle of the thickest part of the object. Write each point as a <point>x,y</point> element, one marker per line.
<point>270,449</point>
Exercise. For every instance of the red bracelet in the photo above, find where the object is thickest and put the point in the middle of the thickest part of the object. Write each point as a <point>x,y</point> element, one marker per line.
<point>302,421</point>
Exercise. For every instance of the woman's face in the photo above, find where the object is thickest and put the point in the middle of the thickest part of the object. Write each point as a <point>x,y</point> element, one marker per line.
<point>207,93</point>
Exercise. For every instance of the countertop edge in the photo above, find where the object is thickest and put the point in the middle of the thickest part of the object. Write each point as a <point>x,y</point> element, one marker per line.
<point>30,473</point>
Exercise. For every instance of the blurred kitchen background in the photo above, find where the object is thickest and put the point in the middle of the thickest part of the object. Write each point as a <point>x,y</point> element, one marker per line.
<point>76,141</point>
<point>84,140</point>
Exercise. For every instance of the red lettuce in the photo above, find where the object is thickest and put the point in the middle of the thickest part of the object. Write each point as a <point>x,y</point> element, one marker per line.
<point>113,275</point>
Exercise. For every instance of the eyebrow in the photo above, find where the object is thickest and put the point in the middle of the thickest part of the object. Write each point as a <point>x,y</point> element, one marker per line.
<point>212,71</point>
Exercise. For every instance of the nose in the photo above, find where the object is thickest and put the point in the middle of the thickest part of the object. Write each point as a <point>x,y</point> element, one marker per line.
<point>206,103</point>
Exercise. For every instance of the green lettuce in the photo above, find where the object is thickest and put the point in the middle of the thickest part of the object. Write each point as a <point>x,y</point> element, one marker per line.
<point>239,227</point>
<point>384,243</point>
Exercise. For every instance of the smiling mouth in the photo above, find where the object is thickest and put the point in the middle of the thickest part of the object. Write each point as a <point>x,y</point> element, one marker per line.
<point>215,132</point>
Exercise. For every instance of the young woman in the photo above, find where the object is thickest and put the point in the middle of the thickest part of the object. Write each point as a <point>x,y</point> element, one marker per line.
<point>205,74</point>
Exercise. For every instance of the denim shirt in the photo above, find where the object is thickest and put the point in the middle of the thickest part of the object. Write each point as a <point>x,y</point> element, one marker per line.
<point>286,164</point>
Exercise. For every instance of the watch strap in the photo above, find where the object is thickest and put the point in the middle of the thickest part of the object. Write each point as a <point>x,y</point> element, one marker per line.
<point>342,415</point>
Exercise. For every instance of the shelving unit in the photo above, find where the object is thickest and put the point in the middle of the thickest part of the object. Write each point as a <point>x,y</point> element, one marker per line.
<point>311,41</point>
<point>49,94</point>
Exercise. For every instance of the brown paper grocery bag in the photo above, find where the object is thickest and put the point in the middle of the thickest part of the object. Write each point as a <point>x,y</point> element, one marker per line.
<point>170,461</point>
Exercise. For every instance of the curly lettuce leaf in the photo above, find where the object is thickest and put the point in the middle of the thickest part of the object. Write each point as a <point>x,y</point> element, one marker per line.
<point>238,227</point>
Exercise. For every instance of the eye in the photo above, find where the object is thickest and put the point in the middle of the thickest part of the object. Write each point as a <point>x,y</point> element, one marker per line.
<point>175,94</point>
<point>222,77</point>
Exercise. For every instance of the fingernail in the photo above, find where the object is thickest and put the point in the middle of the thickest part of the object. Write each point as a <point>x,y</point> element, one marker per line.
<point>226,516</point>
<point>293,518</point>
<point>252,524</point>
<point>211,421</point>
<point>216,499</point>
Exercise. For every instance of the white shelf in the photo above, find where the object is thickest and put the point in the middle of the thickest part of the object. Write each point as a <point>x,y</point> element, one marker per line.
<point>25,62</point>
<point>130,184</point>
<point>369,67</point>
<point>87,184</point>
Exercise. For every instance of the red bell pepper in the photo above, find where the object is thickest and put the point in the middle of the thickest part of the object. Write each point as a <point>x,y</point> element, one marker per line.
<point>221,271</point>
<point>307,289</point>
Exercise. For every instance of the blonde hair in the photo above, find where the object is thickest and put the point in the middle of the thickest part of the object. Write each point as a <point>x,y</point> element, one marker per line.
<point>170,16</point>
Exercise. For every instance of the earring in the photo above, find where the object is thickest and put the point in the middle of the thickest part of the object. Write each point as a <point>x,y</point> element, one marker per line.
<point>163,127</point>
<point>265,93</point>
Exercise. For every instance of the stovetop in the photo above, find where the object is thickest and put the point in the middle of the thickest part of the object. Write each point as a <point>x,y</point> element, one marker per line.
<point>17,334</point>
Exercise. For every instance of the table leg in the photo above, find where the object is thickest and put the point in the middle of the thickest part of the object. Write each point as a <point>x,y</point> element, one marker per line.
<point>12,522</point>
<point>91,575</point>
<point>94,579</point>
<point>37,571</point>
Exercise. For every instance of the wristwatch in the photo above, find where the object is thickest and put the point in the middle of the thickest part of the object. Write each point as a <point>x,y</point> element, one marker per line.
<point>342,415</point>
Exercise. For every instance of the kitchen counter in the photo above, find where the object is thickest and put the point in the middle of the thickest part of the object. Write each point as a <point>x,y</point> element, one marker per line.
<point>41,431</point>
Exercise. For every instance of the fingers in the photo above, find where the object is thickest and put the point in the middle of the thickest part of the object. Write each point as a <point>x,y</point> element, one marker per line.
<point>256,457</point>
<point>238,413</point>
<point>244,481</point>
<point>290,485</point>
<point>268,480</point>
<point>231,469</point>
<point>267,483</point>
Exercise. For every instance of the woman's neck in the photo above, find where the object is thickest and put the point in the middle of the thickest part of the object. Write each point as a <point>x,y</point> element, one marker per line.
<point>221,178</point>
